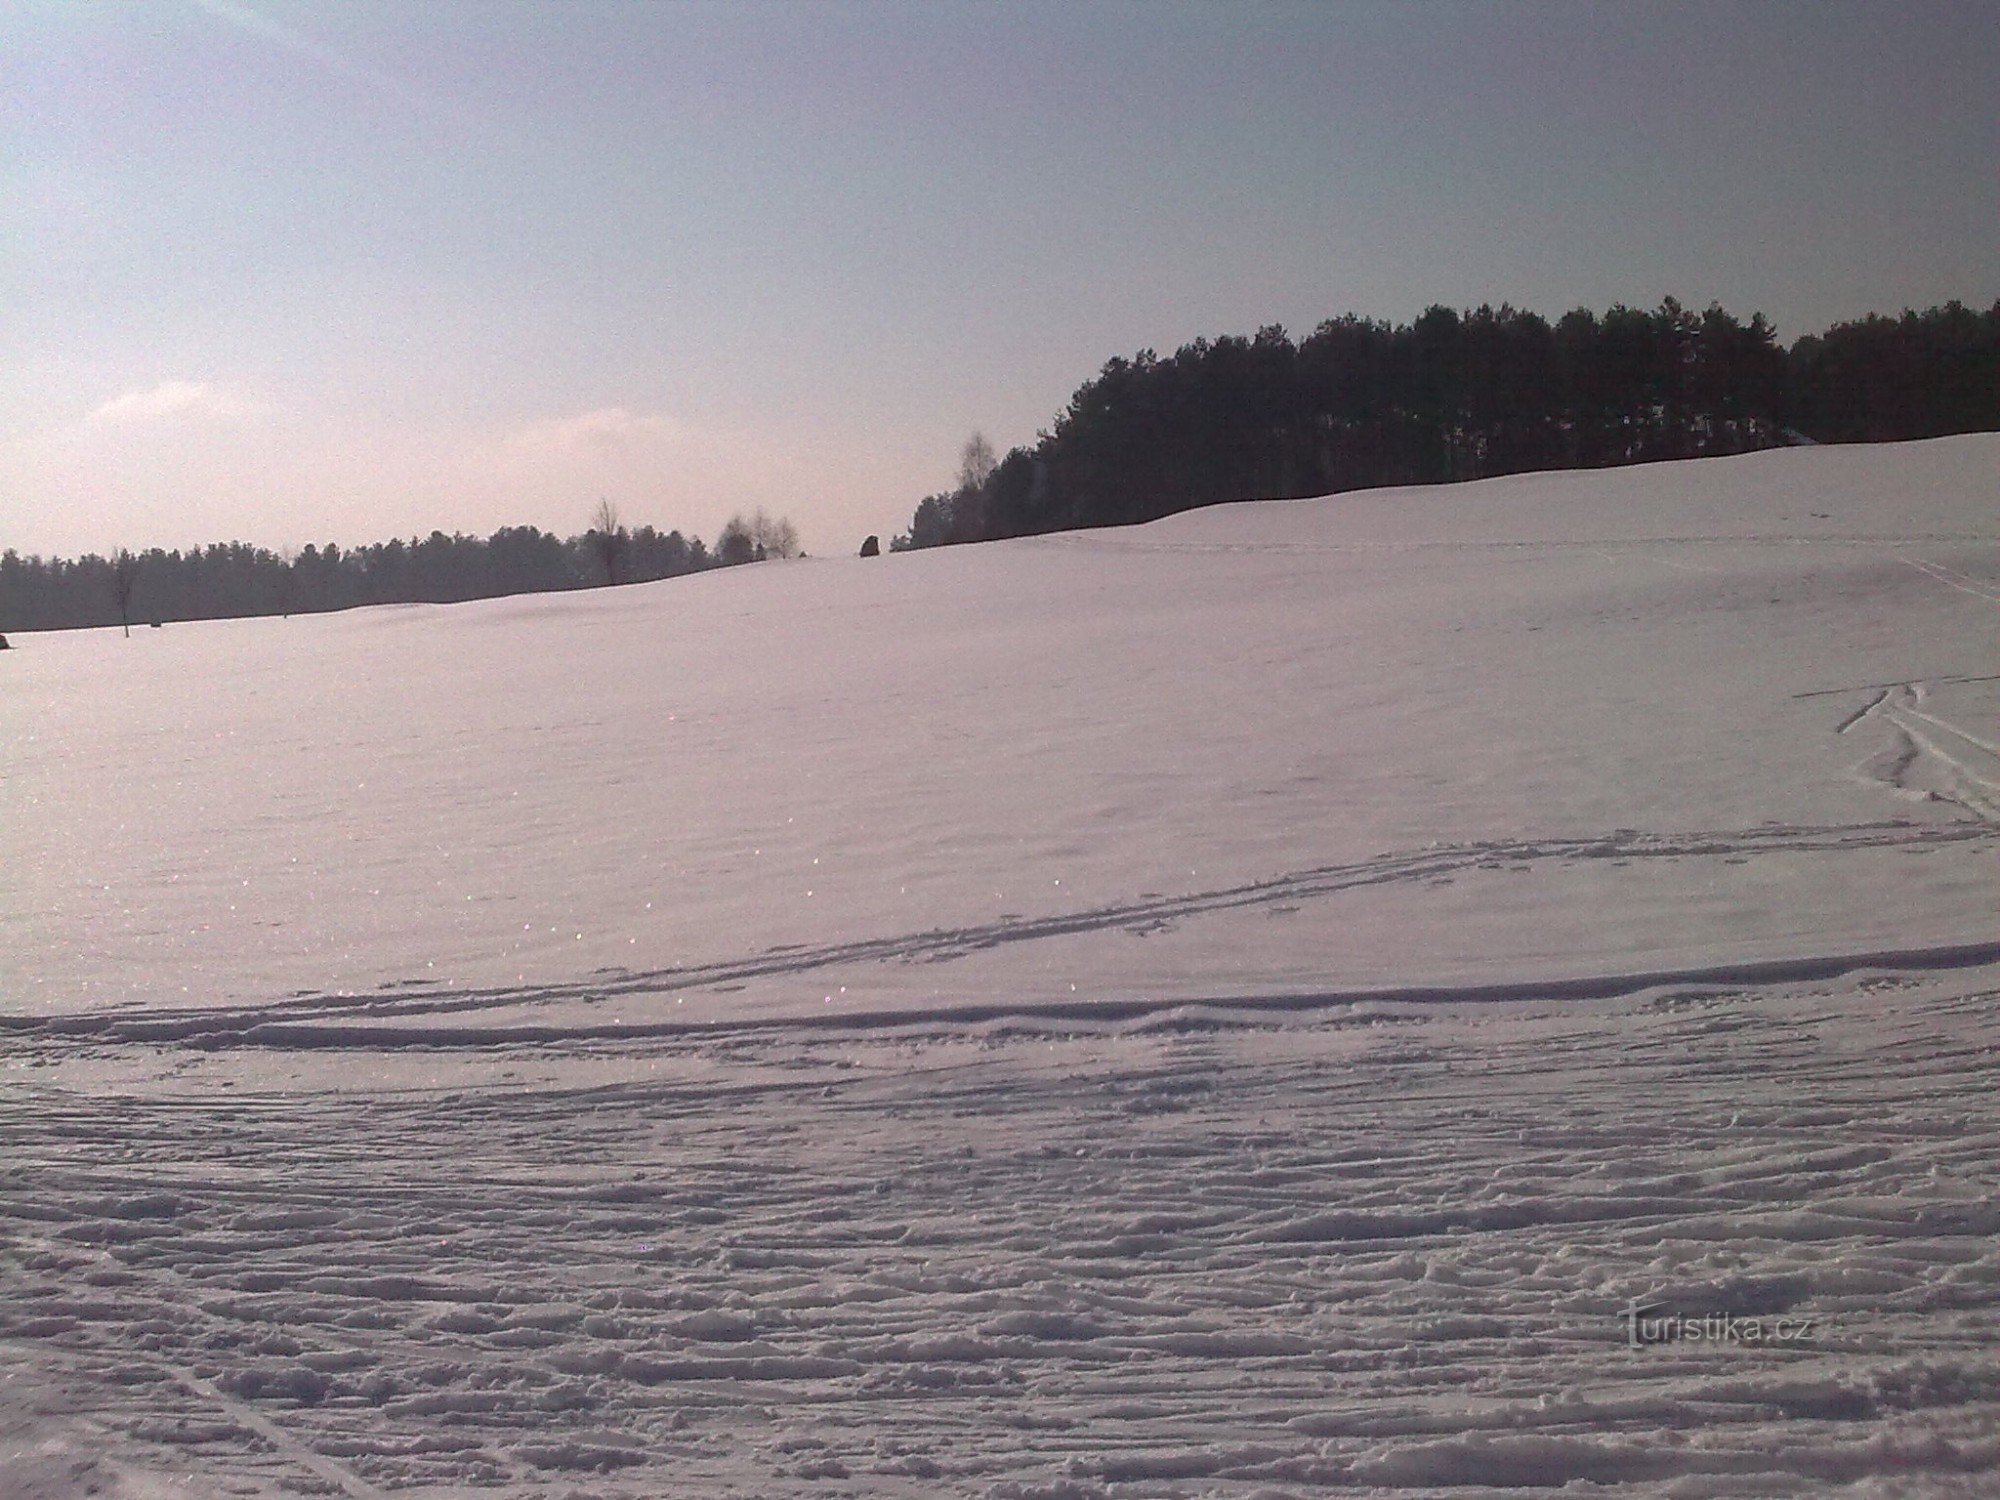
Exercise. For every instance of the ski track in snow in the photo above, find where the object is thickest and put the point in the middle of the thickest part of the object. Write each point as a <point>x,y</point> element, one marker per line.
<point>335,1020</point>
<point>1929,759</point>
<point>1201,1252</point>
<point>1951,578</point>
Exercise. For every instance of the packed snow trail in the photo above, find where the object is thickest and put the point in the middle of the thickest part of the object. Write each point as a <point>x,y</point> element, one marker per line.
<point>1197,1252</point>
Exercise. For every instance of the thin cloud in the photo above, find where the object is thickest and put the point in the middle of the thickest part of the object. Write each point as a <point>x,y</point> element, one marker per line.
<point>289,39</point>
<point>608,429</point>
<point>168,400</point>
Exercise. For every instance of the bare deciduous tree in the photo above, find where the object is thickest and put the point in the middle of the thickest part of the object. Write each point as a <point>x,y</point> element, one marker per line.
<point>608,537</point>
<point>756,538</point>
<point>975,463</point>
<point>124,574</point>
<point>777,538</point>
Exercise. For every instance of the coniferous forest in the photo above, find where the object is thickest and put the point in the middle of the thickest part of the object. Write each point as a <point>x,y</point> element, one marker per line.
<point>228,580</point>
<point>1356,404</point>
<point>1359,404</point>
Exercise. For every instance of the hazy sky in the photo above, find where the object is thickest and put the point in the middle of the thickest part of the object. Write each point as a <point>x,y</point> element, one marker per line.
<point>293,272</point>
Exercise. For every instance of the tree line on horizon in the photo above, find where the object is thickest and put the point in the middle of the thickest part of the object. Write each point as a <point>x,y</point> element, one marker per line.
<point>228,580</point>
<point>1361,404</point>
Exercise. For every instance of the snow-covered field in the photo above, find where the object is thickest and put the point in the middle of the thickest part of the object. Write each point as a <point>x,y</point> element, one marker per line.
<point>1239,1006</point>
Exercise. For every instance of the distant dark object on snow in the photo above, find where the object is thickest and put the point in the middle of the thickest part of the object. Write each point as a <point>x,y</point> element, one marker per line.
<point>872,547</point>
<point>156,624</point>
<point>3,644</point>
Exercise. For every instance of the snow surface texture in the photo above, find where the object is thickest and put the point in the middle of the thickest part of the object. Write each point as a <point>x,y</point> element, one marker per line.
<point>1237,1006</point>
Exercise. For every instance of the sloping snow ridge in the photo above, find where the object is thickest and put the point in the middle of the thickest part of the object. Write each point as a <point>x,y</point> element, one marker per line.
<point>1447,991</point>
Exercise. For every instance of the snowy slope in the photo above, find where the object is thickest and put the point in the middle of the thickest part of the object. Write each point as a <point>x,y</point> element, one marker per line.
<point>1457,735</point>
<point>1232,1007</point>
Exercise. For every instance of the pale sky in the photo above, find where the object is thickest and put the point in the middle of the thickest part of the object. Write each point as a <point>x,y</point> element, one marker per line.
<point>286,272</point>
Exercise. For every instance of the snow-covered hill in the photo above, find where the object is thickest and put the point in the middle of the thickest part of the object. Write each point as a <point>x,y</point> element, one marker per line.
<point>1232,1006</point>
<point>1555,725</point>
